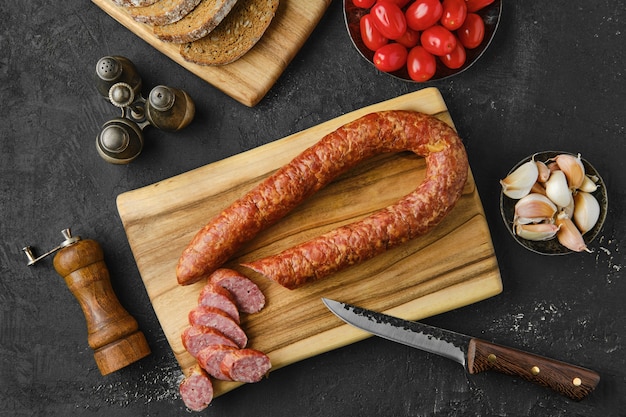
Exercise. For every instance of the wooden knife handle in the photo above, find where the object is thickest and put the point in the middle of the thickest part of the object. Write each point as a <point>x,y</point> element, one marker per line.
<point>570,380</point>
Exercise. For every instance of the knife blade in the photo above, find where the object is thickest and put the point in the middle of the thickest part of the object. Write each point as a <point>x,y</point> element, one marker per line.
<point>474,354</point>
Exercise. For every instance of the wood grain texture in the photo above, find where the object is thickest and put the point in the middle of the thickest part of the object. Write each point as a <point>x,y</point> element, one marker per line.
<point>112,332</point>
<point>452,266</point>
<point>248,79</point>
<point>567,379</point>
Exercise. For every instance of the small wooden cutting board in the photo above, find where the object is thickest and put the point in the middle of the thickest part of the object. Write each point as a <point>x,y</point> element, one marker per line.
<point>452,266</point>
<point>248,79</point>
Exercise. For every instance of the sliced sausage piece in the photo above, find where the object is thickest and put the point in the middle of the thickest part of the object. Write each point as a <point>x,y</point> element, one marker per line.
<point>246,365</point>
<point>216,319</point>
<point>213,295</point>
<point>211,357</point>
<point>248,296</point>
<point>196,390</point>
<point>196,338</point>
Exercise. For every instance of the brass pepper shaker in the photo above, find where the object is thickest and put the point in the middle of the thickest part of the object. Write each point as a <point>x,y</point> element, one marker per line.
<point>169,108</point>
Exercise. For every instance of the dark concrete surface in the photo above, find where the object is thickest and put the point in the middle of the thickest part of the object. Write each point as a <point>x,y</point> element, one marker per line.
<point>554,78</point>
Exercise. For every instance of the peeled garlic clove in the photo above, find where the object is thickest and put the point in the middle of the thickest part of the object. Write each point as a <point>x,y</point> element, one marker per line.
<point>568,235</point>
<point>589,185</point>
<point>573,168</point>
<point>586,211</point>
<point>534,208</point>
<point>543,171</point>
<point>519,182</point>
<point>557,189</point>
<point>536,232</point>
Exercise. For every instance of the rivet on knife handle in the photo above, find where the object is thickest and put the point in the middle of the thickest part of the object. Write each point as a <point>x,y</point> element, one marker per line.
<point>570,380</point>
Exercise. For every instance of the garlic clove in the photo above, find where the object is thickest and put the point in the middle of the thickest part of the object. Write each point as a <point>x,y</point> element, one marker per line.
<point>589,184</point>
<point>543,171</point>
<point>568,235</point>
<point>569,209</point>
<point>538,188</point>
<point>573,168</point>
<point>558,190</point>
<point>519,182</point>
<point>534,208</point>
<point>586,211</point>
<point>536,232</point>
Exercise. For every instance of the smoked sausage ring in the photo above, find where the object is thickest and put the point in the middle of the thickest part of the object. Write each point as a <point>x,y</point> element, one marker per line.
<point>412,216</point>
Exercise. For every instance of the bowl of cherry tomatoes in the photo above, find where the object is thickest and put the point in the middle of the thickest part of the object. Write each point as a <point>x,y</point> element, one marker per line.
<point>422,40</point>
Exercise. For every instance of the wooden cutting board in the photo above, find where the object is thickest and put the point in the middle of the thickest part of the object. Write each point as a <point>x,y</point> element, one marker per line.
<point>454,265</point>
<point>248,79</point>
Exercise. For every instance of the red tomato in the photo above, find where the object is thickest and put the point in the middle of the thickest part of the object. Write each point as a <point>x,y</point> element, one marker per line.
<point>372,38</point>
<point>456,58</point>
<point>438,40</point>
<point>389,19</point>
<point>421,65</point>
<point>400,3</point>
<point>390,57</point>
<point>364,4</point>
<point>422,14</point>
<point>454,12</point>
<point>472,32</point>
<point>475,5</point>
<point>410,38</point>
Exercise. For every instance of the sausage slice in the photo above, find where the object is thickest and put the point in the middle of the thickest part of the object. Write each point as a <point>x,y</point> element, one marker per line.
<point>247,295</point>
<point>215,318</point>
<point>196,390</point>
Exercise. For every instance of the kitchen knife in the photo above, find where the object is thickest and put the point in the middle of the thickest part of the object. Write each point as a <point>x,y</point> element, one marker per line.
<point>474,354</point>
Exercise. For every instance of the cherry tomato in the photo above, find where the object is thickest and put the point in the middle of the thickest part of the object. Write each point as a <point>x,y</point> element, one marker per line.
<point>422,14</point>
<point>472,32</point>
<point>456,58</point>
<point>421,65</point>
<point>475,5</point>
<point>390,57</point>
<point>364,4</point>
<point>454,12</point>
<point>410,38</point>
<point>438,40</point>
<point>388,19</point>
<point>372,38</point>
<point>400,3</point>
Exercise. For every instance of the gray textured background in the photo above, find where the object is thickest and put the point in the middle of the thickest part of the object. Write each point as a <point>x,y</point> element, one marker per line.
<point>552,79</point>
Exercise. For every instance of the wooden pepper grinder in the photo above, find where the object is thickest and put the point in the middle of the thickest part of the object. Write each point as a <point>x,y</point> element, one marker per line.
<point>113,333</point>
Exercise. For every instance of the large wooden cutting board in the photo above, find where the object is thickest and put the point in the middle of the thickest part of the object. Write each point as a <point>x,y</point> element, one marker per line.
<point>454,265</point>
<point>248,79</point>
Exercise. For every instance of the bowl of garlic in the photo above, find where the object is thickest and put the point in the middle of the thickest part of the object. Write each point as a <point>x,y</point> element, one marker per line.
<point>553,203</point>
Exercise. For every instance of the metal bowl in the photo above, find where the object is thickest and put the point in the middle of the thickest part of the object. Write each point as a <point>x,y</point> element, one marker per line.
<point>491,17</point>
<point>552,246</point>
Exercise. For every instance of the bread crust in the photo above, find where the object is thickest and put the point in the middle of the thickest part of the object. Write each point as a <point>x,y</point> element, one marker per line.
<point>134,3</point>
<point>197,24</point>
<point>163,12</point>
<point>242,28</point>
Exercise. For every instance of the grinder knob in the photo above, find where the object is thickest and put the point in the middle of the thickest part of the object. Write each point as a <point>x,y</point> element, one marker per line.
<point>113,333</point>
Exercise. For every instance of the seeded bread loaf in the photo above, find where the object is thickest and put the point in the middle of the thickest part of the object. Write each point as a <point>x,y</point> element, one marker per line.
<point>237,34</point>
<point>163,12</point>
<point>197,24</point>
<point>134,3</point>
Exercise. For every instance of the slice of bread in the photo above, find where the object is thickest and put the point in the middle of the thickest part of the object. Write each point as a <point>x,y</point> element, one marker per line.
<point>134,3</point>
<point>163,12</point>
<point>237,34</point>
<point>197,24</point>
